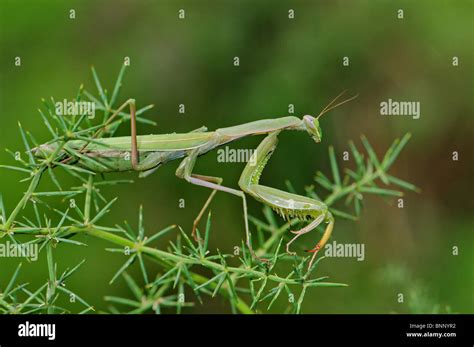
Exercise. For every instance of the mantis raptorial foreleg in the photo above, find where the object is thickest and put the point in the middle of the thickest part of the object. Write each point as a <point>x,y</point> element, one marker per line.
<point>324,239</point>
<point>314,224</point>
<point>286,204</point>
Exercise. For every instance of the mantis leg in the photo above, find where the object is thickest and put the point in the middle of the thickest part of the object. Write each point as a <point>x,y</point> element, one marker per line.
<point>185,171</point>
<point>133,128</point>
<point>324,239</point>
<point>216,180</point>
<point>314,224</point>
<point>286,204</point>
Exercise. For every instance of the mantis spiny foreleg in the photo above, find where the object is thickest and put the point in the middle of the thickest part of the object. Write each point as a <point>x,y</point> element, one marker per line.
<point>314,224</point>
<point>286,204</point>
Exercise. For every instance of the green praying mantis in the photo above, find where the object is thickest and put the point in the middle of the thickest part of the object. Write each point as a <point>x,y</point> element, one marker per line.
<point>146,153</point>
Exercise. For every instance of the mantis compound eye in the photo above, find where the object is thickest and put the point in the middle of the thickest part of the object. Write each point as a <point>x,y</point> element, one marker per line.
<point>312,127</point>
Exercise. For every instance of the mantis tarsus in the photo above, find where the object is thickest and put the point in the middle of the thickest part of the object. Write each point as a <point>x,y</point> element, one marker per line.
<point>146,153</point>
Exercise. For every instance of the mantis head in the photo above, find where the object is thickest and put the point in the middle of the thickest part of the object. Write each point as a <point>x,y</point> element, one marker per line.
<point>312,127</point>
<point>311,123</point>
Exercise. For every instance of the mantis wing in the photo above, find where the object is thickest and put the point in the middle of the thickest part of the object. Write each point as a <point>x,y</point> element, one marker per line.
<point>149,143</point>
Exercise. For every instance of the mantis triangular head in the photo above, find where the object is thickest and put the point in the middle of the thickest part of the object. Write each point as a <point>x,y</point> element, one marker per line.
<point>312,123</point>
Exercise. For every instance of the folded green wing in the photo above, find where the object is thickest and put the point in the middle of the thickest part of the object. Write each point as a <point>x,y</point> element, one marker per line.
<point>152,143</point>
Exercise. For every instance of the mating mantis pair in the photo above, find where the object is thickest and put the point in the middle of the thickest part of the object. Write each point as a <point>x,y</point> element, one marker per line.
<point>145,153</point>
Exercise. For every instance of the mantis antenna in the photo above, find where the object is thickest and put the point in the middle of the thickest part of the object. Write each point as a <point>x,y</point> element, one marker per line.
<point>331,105</point>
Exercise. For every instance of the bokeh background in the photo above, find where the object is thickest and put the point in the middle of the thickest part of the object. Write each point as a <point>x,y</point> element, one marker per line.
<point>282,61</point>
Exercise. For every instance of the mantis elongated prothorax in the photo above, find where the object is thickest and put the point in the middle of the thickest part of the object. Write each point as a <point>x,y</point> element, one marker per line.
<point>148,152</point>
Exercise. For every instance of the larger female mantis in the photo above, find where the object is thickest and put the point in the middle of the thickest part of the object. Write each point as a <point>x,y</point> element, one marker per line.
<point>146,153</point>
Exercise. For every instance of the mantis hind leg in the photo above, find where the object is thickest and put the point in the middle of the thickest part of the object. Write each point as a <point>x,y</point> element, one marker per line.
<point>133,128</point>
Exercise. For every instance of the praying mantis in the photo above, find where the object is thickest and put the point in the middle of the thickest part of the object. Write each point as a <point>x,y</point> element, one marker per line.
<point>146,153</point>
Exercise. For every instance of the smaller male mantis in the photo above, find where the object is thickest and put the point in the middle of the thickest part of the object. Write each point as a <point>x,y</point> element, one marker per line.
<point>146,153</point>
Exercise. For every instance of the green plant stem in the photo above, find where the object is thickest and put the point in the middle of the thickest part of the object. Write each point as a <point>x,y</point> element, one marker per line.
<point>87,203</point>
<point>159,254</point>
<point>339,193</point>
<point>155,253</point>
<point>164,256</point>
<point>52,277</point>
<point>21,204</point>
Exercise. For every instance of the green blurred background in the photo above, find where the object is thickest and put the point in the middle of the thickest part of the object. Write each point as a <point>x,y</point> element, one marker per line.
<point>282,62</point>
